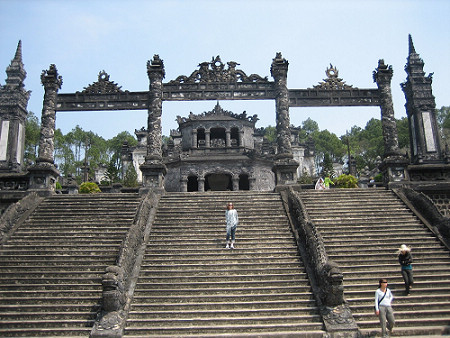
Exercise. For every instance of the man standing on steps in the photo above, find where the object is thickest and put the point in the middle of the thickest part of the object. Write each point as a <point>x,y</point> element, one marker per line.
<point>231,217</point>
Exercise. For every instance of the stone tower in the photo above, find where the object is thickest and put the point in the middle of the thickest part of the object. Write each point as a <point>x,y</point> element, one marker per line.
<point>13,114</point>
<point>420,108</point>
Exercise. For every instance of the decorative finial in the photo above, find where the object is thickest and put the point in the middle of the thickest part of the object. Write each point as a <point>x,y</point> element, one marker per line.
<point>18,56</point>
<point>412,50</point>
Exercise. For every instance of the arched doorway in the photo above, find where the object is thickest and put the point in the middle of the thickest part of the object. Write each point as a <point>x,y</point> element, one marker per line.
<point>192,183</point>
<point>218,182</point>
<point>244,183</point>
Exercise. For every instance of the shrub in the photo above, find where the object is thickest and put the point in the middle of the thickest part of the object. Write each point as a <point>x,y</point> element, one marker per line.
<point>130,179</point>
<point>346,181</point>
<point>379,177</point>
<point>58,186</point>
<point>89,188</point>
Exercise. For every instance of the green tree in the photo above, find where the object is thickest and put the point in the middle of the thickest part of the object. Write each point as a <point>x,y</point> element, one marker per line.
<point>115,144</point>
<point>32,136</point>
<point>130,178</point>
<point>309,127</point>
<point>270,133</point>
<point>443,120</point>
<point>327,166</point>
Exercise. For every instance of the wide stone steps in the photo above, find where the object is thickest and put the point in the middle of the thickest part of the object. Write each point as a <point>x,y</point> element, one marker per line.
<point>362,230</point>
<point>190,285</point>
<point>51,267</point>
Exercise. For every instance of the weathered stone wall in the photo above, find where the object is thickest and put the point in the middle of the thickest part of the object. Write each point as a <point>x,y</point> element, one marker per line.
<point>261,172</point>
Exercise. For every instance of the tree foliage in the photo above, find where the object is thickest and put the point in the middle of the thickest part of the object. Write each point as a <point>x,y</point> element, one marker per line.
<point>32,135</point>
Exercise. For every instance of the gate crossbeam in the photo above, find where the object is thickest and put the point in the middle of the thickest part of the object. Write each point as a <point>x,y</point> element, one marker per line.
<point>102,101</point>
<point>326,97</point>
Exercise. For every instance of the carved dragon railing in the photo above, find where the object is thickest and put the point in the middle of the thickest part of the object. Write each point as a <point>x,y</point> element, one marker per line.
<point>325,276</point>
<point>120,279</point>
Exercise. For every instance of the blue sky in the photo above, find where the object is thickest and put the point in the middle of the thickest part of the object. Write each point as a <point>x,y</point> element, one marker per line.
<point>85,37</point>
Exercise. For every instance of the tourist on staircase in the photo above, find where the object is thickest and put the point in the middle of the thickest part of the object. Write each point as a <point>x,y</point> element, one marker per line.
<point>231,217</point>
<point>383,308</point>
<point>405,260</point>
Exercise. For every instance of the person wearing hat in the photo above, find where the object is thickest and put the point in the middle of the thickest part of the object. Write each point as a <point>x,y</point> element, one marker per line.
<point>383,308</point>
<point>405,259</point>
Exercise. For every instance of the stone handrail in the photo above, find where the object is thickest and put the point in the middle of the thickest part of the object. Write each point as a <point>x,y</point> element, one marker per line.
<point>120,279</point>
<point>325,276</point>
<point>427,211</point>
<point>16,213</point>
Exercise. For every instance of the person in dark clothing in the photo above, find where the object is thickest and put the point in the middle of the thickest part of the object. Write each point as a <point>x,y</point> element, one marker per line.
<point>405,259</point>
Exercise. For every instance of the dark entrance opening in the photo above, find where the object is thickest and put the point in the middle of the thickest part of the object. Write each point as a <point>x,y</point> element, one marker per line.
<point>244,183</point>
<point>234,135</point>
<point>201,138</point>
<point>192,184</point>
<point>218,182</point>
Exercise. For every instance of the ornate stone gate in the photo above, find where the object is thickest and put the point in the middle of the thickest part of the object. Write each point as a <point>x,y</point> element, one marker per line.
<point>215,80</point>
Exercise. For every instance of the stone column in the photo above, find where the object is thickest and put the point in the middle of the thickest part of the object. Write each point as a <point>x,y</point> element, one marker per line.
<point>252,183</point>
<point>228,138</point>
<point>183,184</point>
<point>383,76</point>
<point>43,174</point>
<point>241,139</point>
<point>285,167</point>
<point>394,163</point>
<point>153,169</point>
<point>208,138</point>
<point>194,138</point>
<point>201,184</point>
<point>235,182</point>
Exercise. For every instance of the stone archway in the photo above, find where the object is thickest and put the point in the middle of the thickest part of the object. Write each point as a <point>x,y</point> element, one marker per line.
<point>192,183</point>
<point>218,182</point>
<point>244,182</point>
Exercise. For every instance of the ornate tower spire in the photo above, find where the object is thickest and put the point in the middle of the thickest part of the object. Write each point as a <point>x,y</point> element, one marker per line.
<point>420,108</point>
<point>412,50</point>
<point>15,72</point>
<point>13,114</point>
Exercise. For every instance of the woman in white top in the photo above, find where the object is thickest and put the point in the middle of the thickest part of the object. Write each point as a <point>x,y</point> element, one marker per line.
<point>383,308</point>
<point>231,217</point>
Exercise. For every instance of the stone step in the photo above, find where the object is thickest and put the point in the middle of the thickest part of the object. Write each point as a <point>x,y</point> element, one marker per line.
<point>51,267</point>
<point>222,319</point>
<point>362,237</point>
<point>46,332</point>
<point>230,271</point>
<point>256,328</point>
<point>192,280</point>
<point>252,305</point>
<point>291,277</point>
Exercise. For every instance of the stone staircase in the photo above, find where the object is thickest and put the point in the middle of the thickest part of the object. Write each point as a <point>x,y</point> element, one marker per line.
<point>190,285</point>
<point>51,268</point>
<point>362,229</point>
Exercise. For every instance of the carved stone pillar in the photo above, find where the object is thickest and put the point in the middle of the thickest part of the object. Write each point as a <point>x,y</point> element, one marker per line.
<point>285,167</point>
<point>228,138</point>
<point>235,181</point>
<point>251,183</point>
<point>241,138</point>
<point>201,184</point>
<point>383,76</point>
<point>194,138</point>
<point>183,184</point>
<point>208,138</point>
<point>44,173</point>
<point>394,163</point>
<point>153,169</point>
